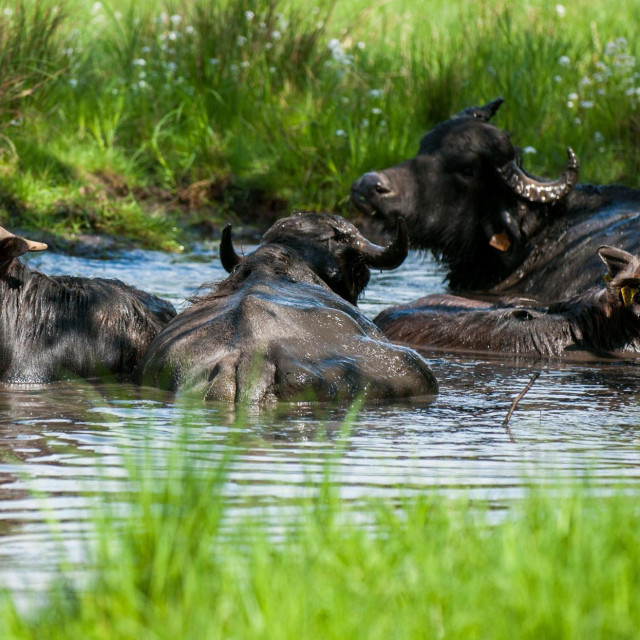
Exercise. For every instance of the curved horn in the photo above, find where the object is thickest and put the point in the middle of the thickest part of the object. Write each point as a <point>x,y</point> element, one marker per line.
<point>484,113</point>
<point>30,245</point>
<point>391,256</point>
<point>228,256</point>
<point>536,190</point>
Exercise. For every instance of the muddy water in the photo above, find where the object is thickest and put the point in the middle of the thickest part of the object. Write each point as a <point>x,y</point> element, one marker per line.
<point>577,420</point>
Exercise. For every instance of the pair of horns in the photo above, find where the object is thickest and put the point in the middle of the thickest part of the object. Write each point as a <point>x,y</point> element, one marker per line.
<point>522,184</point>
<point>389,257</point>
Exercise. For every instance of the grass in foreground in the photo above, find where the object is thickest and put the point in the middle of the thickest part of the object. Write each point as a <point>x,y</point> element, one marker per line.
<point>143,118</point>
<point>180,566</point>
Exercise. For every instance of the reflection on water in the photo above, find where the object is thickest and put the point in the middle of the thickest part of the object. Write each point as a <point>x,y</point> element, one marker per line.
<point>578,419</point>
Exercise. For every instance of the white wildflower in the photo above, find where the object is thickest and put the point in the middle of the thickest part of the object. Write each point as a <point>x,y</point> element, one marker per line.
<point>598,137</point>
<point>249,15</point>
<point>276,35</point>
<point>245,63</point>
<point>214,62</point>
<point>529,150</point>
<point>73,82</point>
<point>341,133</point>
<point>173,35</point>
<point>375,93</point>
<point>560,11</point>
<point>337,52</point>
<point>573,96</point>
<point>587,104</point>
<point>361,45</point>
<point>139,62</point>
<point>376,111</point>
<point>189,30</point>
<point>175,19</point>
<point>577,121</point>
<point>241,40</point>
<point>564,61</point>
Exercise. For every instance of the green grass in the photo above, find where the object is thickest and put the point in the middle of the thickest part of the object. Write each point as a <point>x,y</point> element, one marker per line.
<point>200,111</point>
<point>556,564</point>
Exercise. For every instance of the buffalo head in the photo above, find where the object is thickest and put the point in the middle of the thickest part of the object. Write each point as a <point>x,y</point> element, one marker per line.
<point>465,197</point>
<point>334,249</point>
<point>13,246</point>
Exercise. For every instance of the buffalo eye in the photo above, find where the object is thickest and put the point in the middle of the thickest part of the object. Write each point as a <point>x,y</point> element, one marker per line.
<point>468,171</point>
<point>465,169</point>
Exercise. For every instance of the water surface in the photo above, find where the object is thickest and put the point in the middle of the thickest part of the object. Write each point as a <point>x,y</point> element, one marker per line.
<point>578,420</point>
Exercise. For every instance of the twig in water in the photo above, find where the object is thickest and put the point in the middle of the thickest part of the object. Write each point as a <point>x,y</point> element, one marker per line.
<point>514,404</point>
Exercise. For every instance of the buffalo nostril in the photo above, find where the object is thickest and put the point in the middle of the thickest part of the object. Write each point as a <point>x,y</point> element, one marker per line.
<point>372,184</point>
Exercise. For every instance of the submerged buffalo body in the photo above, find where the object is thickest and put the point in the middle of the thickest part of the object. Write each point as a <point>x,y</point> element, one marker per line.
<point>276,329</point>
<point>53,327</point>
<point>602,321</point>
<point>466,198</point>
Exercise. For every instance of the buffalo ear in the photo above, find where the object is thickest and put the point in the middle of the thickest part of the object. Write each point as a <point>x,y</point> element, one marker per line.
<point>616,260</point>
<point>484,113</point>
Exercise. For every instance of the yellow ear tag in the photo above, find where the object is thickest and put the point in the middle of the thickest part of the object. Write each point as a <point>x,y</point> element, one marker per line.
<point>628,294</point>
<point>500,241</point>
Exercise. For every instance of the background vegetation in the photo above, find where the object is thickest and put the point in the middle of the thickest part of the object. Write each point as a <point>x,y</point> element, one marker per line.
<point>148,118</point>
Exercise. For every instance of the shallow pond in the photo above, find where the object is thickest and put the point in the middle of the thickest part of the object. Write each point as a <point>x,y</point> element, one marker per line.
<point>578,420</point>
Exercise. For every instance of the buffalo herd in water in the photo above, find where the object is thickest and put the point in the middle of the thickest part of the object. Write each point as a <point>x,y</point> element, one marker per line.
<point>542,268</point>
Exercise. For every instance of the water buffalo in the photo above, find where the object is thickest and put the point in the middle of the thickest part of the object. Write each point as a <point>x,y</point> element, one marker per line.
<point>283,326</point>
<point>53,327</point>
<point>466,198</point>
<point>602,321</point>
